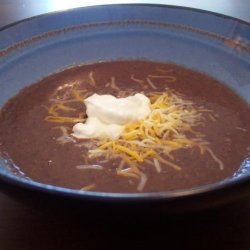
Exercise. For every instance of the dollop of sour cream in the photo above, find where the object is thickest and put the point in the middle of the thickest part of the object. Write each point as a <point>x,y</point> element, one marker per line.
<point>108,115</point>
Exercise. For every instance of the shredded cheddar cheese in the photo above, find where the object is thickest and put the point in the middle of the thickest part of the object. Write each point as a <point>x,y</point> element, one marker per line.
<point>62,103</point>
<point>169,127</point>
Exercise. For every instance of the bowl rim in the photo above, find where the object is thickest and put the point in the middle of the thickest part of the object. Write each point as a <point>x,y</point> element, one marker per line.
<point>223,185</point>
<point>124,5</point>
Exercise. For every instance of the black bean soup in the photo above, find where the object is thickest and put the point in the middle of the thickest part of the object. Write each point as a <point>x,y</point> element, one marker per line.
<point>197,134</point>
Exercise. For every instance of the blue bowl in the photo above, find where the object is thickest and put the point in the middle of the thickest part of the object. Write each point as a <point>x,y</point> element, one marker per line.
<point>207,42</point>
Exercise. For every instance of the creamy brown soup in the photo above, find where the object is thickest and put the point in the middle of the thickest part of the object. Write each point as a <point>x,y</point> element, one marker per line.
<point>197,135</point>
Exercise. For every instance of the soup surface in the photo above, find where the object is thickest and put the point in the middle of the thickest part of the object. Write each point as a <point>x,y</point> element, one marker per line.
<point>197,132</point>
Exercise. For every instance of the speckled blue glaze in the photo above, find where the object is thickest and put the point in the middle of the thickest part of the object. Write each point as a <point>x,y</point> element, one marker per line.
<point>214,44</point>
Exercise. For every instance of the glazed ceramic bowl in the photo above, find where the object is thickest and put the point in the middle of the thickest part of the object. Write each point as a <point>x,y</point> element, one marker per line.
<point>214,44</point>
